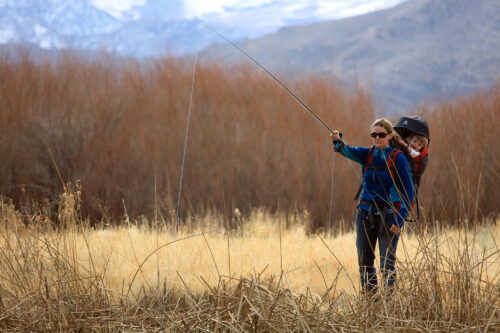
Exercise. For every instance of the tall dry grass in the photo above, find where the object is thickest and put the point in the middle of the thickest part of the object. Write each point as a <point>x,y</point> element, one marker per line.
<point>118,127</point>
<point>261,278</point>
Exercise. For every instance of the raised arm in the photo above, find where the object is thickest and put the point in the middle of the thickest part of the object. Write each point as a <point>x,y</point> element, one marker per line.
<point>357,154</point>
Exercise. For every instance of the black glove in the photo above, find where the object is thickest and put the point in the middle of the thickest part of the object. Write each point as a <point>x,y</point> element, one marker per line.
<point>335,141</point>
<point>338,144</point>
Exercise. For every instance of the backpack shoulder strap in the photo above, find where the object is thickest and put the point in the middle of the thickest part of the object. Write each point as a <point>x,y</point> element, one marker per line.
<point>365,167</point>
<point>369,159</point>
<point>393,154</point>
<point>392,162</point>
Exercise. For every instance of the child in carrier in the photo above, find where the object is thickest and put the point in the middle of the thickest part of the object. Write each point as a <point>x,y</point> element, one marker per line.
<point>416,146</point>
<point>415,133</point>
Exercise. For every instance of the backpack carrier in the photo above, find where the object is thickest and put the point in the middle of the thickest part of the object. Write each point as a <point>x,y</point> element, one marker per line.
<point>405,127</point>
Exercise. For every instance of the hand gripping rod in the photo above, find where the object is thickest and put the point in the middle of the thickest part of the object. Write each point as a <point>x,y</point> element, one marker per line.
<point>308,109</point>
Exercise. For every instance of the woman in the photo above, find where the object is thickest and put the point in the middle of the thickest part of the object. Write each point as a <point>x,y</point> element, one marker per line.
<point>385,201</point>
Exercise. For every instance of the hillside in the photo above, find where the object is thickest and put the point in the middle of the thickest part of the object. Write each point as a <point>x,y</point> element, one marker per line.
<point>420,49</point>
<point>77,24</point>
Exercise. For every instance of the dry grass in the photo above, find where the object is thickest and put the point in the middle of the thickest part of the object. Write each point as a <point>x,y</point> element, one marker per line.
<point>117,278</point>
<point>306,260</point>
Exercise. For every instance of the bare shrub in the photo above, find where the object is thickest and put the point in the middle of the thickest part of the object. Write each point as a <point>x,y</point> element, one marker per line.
<point>118,127</point>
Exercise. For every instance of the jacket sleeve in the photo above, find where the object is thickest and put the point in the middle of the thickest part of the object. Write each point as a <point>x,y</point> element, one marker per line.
<point>357,154</point>
<point>405,191</point>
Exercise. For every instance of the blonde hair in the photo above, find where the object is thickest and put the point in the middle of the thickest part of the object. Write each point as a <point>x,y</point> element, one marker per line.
<point>421,138</point>
<point>387,125</point>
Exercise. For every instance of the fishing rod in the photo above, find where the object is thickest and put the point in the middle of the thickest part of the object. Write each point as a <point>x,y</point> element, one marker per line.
<point>308,109</point>
<point>180,185</point>
<point>282,85</point>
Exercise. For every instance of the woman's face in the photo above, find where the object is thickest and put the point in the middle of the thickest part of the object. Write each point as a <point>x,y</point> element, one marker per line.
<point>377,132</point>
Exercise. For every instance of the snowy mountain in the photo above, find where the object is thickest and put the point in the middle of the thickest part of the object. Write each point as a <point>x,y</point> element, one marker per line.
<point>142,28</point>
<point>56,24</point>
<point>52,24</point>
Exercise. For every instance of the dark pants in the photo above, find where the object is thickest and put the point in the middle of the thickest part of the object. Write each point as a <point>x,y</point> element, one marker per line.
<point>368,230</point>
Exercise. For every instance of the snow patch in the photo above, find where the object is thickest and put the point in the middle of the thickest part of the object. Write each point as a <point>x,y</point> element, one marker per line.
<point>7,34</point>
<point>51,43</point>
<point>117,7</point>
<point>39,30</point>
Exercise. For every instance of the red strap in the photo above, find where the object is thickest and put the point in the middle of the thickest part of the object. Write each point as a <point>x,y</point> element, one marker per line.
<point>424,152</point>
<point>392,161</point>
<point>370,156</point>
<point>394,153</point>
<point>397,207</point>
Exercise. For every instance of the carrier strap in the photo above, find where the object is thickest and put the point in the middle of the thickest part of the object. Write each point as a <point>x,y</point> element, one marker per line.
<point>391,166</point>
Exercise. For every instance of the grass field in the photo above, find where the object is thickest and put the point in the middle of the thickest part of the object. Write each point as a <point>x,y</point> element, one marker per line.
<point>308,261</point>
<point>263,277</point>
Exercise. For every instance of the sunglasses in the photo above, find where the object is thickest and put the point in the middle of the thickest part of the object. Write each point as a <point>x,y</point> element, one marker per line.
<point>379,134</point>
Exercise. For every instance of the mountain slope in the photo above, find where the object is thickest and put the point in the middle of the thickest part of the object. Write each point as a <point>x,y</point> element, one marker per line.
<point>417,50</point>
<point>51,23</point>
<point>57,24</point>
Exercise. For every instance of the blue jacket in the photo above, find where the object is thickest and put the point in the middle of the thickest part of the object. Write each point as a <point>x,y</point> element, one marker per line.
<point>378,185</point>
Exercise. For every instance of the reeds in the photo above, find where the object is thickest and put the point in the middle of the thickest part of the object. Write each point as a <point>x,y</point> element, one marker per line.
<point>74,278</point>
